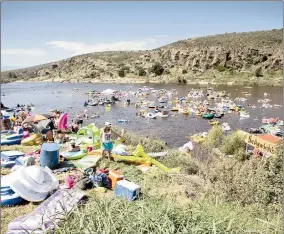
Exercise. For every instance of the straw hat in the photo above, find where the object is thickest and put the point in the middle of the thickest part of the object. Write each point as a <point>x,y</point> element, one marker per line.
<point>33,183</point>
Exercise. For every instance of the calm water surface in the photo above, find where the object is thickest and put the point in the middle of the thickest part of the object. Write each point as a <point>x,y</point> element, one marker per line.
<point>174,130</point>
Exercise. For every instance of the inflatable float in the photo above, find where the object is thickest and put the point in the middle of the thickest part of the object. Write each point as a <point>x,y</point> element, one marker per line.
<point>89,136</point>
<point>11,155</point>
<point>139,152</point>
<point>87,161</point>
<point>48,214</point>
<point>35,139</point>
<point>208,116</point>
<point>123,121</point>
<point>8,196</point>
<point>74,155</point>
<point>133,159</point>
<point>214,122</point>
<point>62,123</point>
<point>14,139</point>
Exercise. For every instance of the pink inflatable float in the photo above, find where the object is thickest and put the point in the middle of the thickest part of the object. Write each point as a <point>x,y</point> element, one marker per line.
<point>62,123</point>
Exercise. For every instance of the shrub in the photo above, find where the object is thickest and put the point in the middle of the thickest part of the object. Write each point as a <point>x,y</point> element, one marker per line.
<point>184,71</point>
<point>157,69</point>
<point>252,181</point>
<point>149,145</point>
<point>233,143</point>
<point>215,136</point>
<point>141,71</point>
<point>258,72</point>
<point>220,68</point>
<point>121,73</point>
<point>175,159</point>
<point>12,75</point>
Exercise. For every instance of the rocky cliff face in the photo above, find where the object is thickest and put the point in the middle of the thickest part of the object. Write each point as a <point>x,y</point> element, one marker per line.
<point>254,57</point>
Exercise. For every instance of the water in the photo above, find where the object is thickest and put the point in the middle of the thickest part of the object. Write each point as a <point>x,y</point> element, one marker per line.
<point>174,130</point>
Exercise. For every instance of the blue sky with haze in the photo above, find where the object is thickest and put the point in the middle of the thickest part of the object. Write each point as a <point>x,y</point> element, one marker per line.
<point>39,32</point>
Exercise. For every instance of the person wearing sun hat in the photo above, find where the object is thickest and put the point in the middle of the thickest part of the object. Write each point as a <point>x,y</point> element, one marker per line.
<point>106,141</point>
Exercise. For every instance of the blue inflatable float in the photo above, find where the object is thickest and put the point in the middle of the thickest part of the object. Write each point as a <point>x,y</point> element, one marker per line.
<point>8,196</point>
<point>14,139</point>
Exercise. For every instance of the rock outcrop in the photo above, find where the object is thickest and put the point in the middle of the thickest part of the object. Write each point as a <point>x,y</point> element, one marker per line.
<point>234,57</point>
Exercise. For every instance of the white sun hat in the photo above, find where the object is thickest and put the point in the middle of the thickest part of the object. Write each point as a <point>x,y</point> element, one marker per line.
<point>107,124</point>
<point>33,183</point>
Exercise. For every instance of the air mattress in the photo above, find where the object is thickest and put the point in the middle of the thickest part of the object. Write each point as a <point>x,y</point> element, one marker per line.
<point>10,142</point>
<point>48,214</point>
<point>74,155</point>
<point>11,155</point>
<point>8,196</point>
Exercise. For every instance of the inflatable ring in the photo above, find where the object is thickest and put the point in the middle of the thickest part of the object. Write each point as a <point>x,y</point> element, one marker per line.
<point>35,139</point>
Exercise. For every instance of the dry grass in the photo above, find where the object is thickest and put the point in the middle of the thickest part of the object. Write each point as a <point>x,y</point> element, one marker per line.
<point>10,213</point>
<point>210,195</point>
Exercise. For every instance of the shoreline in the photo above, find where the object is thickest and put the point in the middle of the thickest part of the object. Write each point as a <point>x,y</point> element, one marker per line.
<point>135,81</point>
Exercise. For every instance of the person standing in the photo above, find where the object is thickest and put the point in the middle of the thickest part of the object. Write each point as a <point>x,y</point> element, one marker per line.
<point>106,141</point>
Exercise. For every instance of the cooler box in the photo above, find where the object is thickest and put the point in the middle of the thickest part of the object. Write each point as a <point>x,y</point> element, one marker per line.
<point>49,155</point>
<point>114,177</point>
<point>127,189</point>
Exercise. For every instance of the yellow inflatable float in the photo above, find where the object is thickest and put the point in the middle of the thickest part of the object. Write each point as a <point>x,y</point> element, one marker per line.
<point>35,139</point>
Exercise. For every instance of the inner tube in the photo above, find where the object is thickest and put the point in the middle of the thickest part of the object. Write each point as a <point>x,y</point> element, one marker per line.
<point>62,124</point>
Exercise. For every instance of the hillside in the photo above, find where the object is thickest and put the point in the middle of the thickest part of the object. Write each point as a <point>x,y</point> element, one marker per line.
<point>254,58</point>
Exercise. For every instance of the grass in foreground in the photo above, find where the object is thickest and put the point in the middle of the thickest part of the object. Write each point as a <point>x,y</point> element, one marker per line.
<point>210,195</point>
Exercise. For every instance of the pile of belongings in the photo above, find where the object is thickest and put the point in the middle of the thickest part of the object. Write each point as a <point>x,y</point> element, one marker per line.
<point>88,180</point>
<point>32,183</point>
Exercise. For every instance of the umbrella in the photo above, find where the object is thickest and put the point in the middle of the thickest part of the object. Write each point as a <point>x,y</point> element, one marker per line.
<point>34,118</point>
<point>48,116</point>
<point>44,123</point>
<point>108,92</point>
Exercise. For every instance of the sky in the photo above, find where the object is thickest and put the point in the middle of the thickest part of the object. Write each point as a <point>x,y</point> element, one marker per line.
<point>34,33</point>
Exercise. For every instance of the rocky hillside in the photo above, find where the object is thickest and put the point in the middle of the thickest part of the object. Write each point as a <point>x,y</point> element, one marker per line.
<point>244,58</point>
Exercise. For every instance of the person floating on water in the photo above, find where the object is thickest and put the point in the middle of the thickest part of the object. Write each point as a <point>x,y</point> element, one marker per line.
<point>106,141</point>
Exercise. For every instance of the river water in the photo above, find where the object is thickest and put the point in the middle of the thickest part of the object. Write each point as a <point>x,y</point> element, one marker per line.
<point>174,130</point>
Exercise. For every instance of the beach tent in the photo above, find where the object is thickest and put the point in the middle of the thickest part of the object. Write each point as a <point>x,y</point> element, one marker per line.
<point>109,92</point>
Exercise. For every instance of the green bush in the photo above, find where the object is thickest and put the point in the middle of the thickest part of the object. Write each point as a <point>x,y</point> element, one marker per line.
<point>141,71</point>
<point>215,136</point>
<point>253,181</point>
<point>258,72</point>
<point>12,75</point>
<point>220,68</point>
<point>232,143</point>
<point>121,73</point>
<point>149,144</point>
<point>176,159</point>
<point>157,69</point>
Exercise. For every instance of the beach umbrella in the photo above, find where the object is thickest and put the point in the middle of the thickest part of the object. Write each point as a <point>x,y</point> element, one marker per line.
<point>48,116</point>
<point>43,123</point>
<point>34,118</point>
<point>108,92</point>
